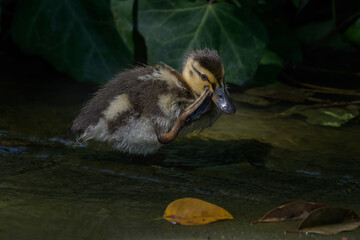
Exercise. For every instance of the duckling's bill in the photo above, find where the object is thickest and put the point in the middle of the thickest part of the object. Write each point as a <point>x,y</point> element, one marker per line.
<point>222,100</point>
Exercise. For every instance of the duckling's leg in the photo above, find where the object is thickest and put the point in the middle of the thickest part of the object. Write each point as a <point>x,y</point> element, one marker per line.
<point>180,122</point>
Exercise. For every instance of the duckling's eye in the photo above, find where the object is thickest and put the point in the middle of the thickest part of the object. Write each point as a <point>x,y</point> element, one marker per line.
<point>204,77</point>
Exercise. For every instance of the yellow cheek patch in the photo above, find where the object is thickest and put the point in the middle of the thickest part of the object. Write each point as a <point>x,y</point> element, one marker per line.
<point>192,72</point>
<point>210,76</point>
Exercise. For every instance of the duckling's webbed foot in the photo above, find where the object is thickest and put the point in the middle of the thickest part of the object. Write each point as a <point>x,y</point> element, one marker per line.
<point>182,119</point>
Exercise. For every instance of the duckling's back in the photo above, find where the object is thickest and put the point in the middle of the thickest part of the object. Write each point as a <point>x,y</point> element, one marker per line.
<point>130,110</point>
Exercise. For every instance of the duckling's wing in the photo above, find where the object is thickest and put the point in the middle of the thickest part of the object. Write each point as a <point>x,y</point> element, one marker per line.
<point>96,107</point>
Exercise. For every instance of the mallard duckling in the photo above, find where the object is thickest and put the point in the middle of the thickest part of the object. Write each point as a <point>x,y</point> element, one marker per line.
<point>143,108</point>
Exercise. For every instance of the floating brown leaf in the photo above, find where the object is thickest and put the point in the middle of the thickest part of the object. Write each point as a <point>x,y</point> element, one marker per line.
<point>193,211</point>
<point>329,220</point>
<point>291,211</point>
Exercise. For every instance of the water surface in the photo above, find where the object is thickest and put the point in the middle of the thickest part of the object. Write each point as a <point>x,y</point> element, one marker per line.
<point>247,163</point>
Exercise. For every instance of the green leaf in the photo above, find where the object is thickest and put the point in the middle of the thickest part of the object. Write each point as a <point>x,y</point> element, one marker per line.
<point>249,4</point>
<point>322,31</point>
<point>270,57</point>
<point>283,40</point>
<point>300,4</point>
<point>77,36</point>
<point>311,32</point>
<point>270,67</point>
<point>122,12</point>
<point>352,34</point>
<point>171,28</point>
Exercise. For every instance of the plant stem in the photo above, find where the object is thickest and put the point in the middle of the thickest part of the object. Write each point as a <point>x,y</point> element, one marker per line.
<point>333,10</point>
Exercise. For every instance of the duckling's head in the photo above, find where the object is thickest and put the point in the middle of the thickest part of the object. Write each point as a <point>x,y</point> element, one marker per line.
<point>203,69</point>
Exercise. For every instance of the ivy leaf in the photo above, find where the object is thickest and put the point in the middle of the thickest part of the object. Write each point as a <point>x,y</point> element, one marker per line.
<point>283,40</point>
<point>314,31</point>
<point>78,37</point>
<point>300,4</point>
<point>122,11</point>
<point>353,33</point>
<point>171,28</point>
<point>271,58</point>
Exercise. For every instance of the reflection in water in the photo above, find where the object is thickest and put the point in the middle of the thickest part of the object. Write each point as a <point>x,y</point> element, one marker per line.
<point>308,172</point>
<point>12,150</point>
<point>196,153</point>
<point>52,188</point>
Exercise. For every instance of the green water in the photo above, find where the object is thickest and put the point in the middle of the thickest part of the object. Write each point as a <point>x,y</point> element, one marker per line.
<point>247,163</point>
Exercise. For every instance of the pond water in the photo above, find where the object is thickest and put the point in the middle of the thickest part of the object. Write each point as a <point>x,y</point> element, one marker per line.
<point>248,163</point>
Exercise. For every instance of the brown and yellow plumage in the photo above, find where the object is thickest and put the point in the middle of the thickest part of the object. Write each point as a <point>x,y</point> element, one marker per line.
<point>142,108</point>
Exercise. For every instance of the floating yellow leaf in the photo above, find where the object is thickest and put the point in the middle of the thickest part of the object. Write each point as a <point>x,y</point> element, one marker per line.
<point>329,220</point>
<point>291,211</point>
<point>193,211</point>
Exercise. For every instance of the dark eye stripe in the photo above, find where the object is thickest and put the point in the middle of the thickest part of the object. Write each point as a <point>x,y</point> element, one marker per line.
<point>202,76</point>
